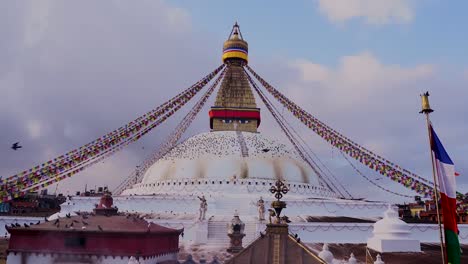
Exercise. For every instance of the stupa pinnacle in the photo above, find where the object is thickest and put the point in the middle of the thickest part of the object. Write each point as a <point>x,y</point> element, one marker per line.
<point>235,107</point>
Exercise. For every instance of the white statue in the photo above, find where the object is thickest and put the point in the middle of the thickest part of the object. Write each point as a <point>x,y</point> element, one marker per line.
<point>203,208</point>
<point>261,209</point>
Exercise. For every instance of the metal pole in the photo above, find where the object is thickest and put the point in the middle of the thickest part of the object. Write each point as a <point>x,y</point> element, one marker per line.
<point>426,109</point>
<point>436,192</point>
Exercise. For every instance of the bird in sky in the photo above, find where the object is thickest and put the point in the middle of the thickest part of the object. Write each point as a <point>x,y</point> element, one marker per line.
<point>16,146</point>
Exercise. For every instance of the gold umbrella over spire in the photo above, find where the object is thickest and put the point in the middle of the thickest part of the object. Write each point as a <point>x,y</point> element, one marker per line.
<point>235,48</point>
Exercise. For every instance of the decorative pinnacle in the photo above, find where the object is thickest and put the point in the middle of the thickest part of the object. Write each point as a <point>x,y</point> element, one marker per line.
<point>279,189</point>
<point>426,108</point>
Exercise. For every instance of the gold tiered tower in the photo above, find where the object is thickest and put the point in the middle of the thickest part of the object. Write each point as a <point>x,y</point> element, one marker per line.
<point>235,108</point>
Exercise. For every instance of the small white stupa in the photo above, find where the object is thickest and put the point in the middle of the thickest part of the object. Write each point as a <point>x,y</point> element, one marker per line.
<point>352,259</point>
<point>133,260</point>
<point>326,255</point>
<point>392,235</point>
<point>379,260</point>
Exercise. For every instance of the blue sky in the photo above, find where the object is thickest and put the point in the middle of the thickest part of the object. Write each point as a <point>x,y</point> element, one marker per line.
<point>358,65</point>
<point>299,29</point>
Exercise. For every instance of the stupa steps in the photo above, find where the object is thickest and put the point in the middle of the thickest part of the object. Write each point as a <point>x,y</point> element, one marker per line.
<point>243,145</point>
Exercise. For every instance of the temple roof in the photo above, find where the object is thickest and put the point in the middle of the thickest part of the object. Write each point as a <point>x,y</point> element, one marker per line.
<point>278,247</point>
<point>90,222</point>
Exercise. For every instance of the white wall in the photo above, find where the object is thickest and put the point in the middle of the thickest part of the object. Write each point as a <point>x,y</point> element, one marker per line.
<point>50,259</point>
<point>359,233</point>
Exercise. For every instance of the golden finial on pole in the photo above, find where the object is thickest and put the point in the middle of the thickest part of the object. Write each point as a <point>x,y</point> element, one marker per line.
<point>426,108</point>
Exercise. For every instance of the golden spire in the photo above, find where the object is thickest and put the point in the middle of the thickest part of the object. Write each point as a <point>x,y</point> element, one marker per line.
<point>235,108</point>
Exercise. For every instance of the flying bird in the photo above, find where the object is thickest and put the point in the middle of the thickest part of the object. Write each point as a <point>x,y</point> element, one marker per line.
<point>265,150</point>
<point>16,146</point>
<point>100,228</point>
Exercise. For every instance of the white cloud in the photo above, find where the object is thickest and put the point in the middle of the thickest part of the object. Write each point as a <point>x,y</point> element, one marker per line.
<point>71,72</point>
<point>34,129</point>
<point>465,74</point>
<point>359,77</point>
<point>36,21</point>
<point>373,11</point>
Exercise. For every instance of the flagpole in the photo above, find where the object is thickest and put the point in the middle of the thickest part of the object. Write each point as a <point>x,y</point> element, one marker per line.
<point>426,110</point>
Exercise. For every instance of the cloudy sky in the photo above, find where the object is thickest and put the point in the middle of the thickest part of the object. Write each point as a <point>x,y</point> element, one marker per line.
<point>73,71</point>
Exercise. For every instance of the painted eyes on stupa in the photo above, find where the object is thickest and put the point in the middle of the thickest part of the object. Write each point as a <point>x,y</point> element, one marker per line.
<point>229,121</point>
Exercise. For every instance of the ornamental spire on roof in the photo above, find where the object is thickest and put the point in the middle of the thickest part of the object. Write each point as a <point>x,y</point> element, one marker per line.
<point>235,107</point>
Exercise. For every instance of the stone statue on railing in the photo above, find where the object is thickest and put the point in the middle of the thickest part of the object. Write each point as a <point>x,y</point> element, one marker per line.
<point>235,233</point>
<point>203,208</point>
<point>261,209</point>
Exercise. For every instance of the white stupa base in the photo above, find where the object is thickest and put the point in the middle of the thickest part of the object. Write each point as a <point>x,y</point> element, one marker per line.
<point>394,245</point>
<point>201,233</point>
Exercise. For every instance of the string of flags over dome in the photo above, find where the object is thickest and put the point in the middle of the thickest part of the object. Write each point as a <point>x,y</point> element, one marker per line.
<point>235,66</point>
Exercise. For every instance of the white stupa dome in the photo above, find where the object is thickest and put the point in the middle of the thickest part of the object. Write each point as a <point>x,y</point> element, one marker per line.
<point>214,158</point>
<point>220,156</point>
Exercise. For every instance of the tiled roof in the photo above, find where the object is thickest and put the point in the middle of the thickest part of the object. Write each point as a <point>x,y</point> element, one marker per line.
<point>88,222</point>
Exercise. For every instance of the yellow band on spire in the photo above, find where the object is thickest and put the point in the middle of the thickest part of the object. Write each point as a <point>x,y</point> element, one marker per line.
<point>235,55</point>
